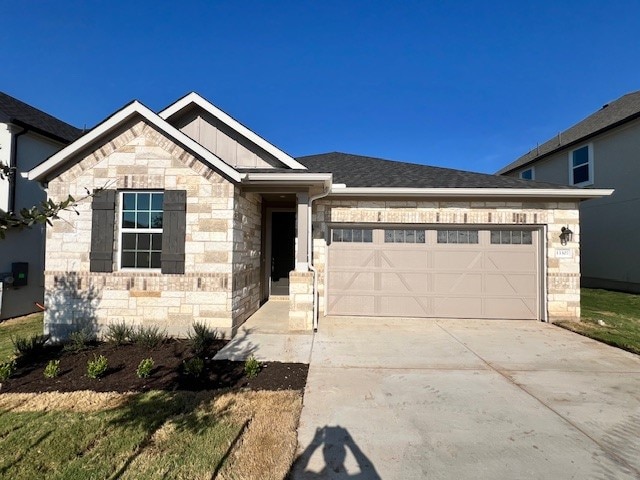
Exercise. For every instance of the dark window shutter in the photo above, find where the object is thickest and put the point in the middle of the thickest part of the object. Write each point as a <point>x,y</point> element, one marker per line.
<point>174,228</point>
<point>102,222</point>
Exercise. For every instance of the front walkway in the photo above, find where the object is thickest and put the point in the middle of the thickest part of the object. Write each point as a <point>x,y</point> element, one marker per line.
<point>412,399</point>
<point>266,336</point>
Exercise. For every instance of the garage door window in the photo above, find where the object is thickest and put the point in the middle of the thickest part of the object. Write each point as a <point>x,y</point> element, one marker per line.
<point>458,236</point>
<point>511,237</point>
<point>352,235</point>
<point>404,236</point>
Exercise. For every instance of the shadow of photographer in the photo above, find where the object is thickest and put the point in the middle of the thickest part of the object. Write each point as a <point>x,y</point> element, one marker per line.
<point>336,443</point>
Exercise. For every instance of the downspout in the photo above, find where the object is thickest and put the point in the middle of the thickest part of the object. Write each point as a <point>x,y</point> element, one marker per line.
<point>324,193</point>
<point>13,168</point>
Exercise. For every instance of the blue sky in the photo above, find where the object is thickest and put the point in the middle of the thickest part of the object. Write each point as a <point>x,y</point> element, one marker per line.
<point>469,85</point>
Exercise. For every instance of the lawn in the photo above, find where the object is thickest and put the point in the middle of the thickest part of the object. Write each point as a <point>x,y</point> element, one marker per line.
<point>178,435</point>
<point>610,317</point>
<point>26,327</point>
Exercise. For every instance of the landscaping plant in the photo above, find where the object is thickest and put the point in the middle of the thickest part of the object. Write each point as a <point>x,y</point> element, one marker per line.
<point>118,333</point>
<point>194,366</point>
<point>252,367</point>
<point>26,346</point>
<point>7,369</point>
<point>97,367</point>
<point>52,370</point>
<point>149,337</point>
<point>78,340</point>
<point>144,367</point>
<point>201,338</point>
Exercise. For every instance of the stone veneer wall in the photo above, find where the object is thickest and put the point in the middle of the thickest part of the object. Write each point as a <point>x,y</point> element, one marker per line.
<point>140,157</point>
<point>300,300</point>
<point>563,274</point>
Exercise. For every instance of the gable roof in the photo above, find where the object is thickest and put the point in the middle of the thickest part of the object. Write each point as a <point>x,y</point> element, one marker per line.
<point>193,99</point>
<point>19,113</point>
<point>134,108</point>
<point>611,115</point>
<point>361,171</point>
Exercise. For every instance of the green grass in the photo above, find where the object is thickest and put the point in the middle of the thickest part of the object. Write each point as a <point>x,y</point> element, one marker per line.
<point>154,435</point>
<point>26,327</point>
<point>610,317</point>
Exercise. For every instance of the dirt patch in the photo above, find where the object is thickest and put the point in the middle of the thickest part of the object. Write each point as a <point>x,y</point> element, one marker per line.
<point>168,373</point>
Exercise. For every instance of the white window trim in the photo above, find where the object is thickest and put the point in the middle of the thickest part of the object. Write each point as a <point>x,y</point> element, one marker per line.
<point>122,230</point>
<point>589,164</point>
<point>533,173</point>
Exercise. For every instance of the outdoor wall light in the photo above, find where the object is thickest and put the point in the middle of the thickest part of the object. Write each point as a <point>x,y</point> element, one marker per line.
<point>566,235</point>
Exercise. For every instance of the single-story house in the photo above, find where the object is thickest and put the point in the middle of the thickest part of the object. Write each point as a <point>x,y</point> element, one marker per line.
<point>198,218</point>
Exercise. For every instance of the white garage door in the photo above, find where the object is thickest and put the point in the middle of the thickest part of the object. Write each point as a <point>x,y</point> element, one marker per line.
<point>429,272</point>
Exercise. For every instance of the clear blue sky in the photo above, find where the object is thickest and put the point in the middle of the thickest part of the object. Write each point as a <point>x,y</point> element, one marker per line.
<point>469,85</point>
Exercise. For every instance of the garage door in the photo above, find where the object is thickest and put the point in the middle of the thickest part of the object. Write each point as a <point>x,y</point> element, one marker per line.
<point>434,272</point>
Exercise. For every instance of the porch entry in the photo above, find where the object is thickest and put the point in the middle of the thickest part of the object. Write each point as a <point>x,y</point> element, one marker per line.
<point>282,243</point>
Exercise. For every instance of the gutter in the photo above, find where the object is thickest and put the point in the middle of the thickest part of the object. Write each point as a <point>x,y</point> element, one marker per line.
<point>580,193</point>
<point>13,168</point>
<point>324,193</point>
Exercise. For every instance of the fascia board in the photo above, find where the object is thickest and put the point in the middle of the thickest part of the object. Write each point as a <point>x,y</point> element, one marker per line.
<point>585,193</point>
<point>119,117</point>
<point>194,98</point>
<point>287,178</point>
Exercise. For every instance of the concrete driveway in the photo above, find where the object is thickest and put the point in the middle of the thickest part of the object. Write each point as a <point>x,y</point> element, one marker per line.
<point>456,399</point>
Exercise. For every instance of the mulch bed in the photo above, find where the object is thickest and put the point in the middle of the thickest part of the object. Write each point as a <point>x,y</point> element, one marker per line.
<point>168,372</point>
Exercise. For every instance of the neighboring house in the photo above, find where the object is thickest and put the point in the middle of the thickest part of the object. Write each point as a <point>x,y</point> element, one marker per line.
<point>27,137</point>
<point>201,219</point>
<point>601,151</point>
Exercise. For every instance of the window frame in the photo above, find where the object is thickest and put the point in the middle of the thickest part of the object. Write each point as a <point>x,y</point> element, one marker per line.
<point>122,230</point>
<point>590,179</point>
<point>531,169</point>
<point>458,230</point>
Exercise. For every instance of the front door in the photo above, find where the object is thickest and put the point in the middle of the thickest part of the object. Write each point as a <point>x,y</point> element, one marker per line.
<point>283,232</point>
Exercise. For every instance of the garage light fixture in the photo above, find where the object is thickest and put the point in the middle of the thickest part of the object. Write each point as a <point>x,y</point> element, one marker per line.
<point>566,235</point>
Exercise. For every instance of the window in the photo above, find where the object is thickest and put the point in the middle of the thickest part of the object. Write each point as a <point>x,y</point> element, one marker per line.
<point>404,236</point>
<point>457,236</point>
<point>528,174</point>
<point>581,166</point>
<point>141,229</point>
<point>511,237</point>
<point>352,235</point>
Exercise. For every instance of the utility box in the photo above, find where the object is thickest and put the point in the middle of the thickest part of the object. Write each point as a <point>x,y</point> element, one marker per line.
<point>20,272</point>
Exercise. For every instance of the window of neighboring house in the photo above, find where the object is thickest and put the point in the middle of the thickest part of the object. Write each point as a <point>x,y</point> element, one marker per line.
<point>581,166</point>
<point>141,229</point>
<point>527,174</point>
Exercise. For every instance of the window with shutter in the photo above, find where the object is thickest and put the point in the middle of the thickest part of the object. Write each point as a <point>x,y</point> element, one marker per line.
<point>102,224</point>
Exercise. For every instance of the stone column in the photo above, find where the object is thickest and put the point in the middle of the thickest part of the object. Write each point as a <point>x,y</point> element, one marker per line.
<point>302,226</point>
<point>300,300</point>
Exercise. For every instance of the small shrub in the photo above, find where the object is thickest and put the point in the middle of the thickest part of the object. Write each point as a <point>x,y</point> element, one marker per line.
<point>97,367</point>
<point>201,338</point>
<point>194,366</point>
<point>79,340</point>
<point>52,370</point>
<point>149,337</point>
<point>7,369</point>
<point>252,367</point>
<point>25,347</point>
<point>118,333</point>
<point>145,367</point>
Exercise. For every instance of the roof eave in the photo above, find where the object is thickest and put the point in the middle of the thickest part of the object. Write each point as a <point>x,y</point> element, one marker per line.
<point>573,193</point>
<point>288,179</point>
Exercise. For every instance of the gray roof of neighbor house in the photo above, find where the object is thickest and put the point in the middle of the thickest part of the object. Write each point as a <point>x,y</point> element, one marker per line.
<point>361,171</point>
<point>611,115</point>
<point>14,111</point>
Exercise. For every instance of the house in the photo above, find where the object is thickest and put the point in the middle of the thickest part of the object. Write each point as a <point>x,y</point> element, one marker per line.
<point>27,137</point>
<point>198,218</point>
<point>601,151</point>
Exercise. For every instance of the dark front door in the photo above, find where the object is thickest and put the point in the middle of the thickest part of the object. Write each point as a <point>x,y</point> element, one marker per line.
<point>283,231</point>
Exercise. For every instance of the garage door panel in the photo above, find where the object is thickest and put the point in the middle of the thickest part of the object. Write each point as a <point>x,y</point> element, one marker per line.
<point>480,280</point>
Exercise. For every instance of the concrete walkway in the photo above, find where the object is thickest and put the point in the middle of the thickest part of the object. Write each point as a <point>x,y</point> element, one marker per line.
<point>461,399</point>
<point>266,336</point>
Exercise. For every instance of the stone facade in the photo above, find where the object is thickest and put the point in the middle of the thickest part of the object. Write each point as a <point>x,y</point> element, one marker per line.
<point>300,300</point>
<point>562,275</point>
<point>220,286</point>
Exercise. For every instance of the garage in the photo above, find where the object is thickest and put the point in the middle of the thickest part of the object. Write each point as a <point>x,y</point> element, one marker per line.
<point>428,271</point>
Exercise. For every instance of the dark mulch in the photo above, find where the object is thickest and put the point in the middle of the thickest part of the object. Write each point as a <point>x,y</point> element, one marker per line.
<point>168,373</point>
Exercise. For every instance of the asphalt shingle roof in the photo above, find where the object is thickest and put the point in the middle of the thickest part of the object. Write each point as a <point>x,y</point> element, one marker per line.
<point>14,111</point>
<point>622,110</point>
<point>361,171</point>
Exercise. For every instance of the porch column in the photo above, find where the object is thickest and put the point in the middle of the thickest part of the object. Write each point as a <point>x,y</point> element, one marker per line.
<point>302,226</point>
